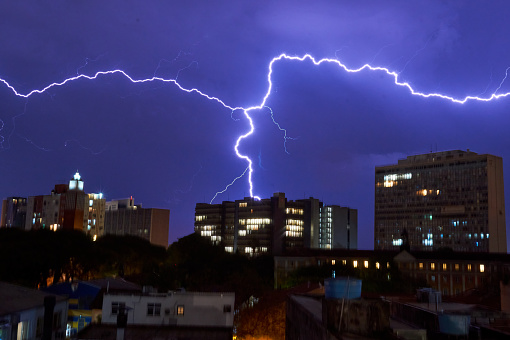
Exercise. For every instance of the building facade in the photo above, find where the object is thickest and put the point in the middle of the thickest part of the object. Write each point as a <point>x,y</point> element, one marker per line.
<point>14,211</point>
<point>452,199</point>
<point>451,273</point>
<point>267,226</point>
<point>123,217</point>
<point>192,309</point>
<point>338,228</point>
<point>67,207</point>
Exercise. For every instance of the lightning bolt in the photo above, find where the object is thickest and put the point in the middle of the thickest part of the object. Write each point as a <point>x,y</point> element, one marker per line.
<point>246,111</point>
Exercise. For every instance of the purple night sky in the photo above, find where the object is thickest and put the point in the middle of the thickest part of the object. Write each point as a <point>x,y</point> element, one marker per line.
<point>171,149</point>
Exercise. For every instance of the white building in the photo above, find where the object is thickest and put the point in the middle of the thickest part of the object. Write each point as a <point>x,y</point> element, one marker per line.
<point>190,309</point>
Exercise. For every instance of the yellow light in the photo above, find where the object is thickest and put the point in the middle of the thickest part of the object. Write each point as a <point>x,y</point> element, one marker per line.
<point>424,192</point>
<point>355,264</point>
<point>94,238</point>
<point>482,268</point>
<point>377,265</point>
<point>366,264</point>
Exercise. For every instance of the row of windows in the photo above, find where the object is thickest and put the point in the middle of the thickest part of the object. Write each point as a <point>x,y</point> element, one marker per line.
<point>153,309</point>
<point>445,266</point>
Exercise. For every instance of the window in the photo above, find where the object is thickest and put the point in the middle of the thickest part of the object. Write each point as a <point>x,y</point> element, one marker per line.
<point>227,308</point>
<point>457,267</point>
<point>482,268</point>
<point>153,309</point>
<point>377,265</point>
<point>432,266</point>
<point>365,264</point>
<point>355,264</point>
<point>116,306</point>
<point>420,265</point>
<point>445,266</point>
<point>333,262</point>
<point>180,310</point>
<point>469,267</point>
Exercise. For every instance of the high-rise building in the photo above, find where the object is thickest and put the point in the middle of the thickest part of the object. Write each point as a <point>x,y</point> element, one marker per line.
<point>339,228</point>
<point>123,217</point>
<point>452,199</point>
<point>14,211</point>
<point>67,207</point>
<point>267,226</point>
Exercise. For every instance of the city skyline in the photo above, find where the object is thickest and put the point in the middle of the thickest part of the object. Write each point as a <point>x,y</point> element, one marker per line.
<point>171,149</point>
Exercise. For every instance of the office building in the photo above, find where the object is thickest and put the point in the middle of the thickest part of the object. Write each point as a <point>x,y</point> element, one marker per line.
<point>338,228</point>
<point>267,226</point>
<point>14,211</point>
<point>123,217</point>
<point>451,199</point>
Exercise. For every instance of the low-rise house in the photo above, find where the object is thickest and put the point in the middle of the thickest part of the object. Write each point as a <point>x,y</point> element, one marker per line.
<point>23,311</point>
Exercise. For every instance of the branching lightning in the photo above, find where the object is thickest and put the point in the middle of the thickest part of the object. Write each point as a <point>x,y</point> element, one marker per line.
<point>263,103</point>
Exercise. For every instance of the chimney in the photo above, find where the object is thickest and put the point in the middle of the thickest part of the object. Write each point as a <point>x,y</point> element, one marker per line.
<point>49,306</point>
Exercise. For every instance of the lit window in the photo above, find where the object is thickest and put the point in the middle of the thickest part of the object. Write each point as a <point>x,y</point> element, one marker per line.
<point>153,309</point>
<point>420,265</point>
<point>365,264</point>
<point>469,267</point>
<point>482,268</point>
<point>355,264</point>
<point>432,266</point>
<point>445,266</point>
<point>457,267</point>
<point>333,262</point>
<point>180,310</point>
<point>344,262</point>
<point>243,205</point>
<point>388,265</point>
<point>377,265</point>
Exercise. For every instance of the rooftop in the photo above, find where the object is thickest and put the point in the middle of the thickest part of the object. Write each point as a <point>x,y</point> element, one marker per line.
<point>16,298</point>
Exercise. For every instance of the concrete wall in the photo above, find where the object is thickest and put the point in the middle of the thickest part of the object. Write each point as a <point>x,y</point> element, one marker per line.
<point>369,318</point>
<point>198,309</point>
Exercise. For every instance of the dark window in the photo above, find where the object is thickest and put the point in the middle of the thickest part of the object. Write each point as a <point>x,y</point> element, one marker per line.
<point>154,309</point>
<point>227,308</point>
<point>116,306</point>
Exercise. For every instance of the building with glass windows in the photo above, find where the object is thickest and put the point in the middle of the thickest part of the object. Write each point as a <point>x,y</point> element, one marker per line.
<point>270,226</point>
<point>14,211</point>
<point>67,207</point>
<point>338,227</point>
<point>123,217</point>
<point>451,199</point>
